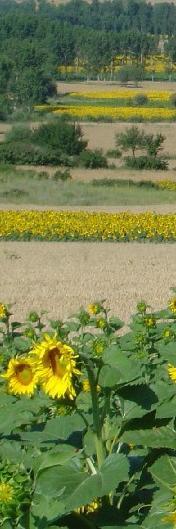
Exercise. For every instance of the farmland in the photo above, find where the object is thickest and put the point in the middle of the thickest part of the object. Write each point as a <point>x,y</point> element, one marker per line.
<point>87,255</point>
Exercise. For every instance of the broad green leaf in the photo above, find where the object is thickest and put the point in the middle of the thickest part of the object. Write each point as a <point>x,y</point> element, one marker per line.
<point>69,488</point>
<point>167,409</point>
<point>64,426</point>
<point>158,437</point>
<point>129,369</point>
<point>164,472</point>
<point>137,401</point>
<point>58,456</point>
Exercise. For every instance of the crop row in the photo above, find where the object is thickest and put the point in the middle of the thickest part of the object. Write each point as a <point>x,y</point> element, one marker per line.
<point>152,95</point>
<point>117,113</point>
<point>81,225</point>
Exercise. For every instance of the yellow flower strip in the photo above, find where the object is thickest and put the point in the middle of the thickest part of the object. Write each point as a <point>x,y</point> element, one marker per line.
<point>119,113</point>
<point>156,95</point>
<point>166,184</point>
<point>68,225</point>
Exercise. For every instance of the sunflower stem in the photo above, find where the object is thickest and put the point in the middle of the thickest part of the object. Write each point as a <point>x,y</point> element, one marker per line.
<point>100,449</point>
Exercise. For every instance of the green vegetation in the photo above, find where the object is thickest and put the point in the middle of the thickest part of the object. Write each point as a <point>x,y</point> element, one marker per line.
<point>94,447</point>
<point>30,187</point>
<point>134,139</point>
<point>37,43</point>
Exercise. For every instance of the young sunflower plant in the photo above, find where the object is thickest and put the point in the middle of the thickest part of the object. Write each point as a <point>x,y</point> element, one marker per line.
<point>87,420</point>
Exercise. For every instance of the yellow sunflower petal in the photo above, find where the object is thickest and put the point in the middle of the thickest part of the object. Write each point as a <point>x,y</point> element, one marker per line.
<point>21,376</point>
<point>56,367</point>
<point>172,372</point>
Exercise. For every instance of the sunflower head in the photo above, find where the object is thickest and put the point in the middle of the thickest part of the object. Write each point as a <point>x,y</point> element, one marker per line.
<point>172,305</point>
<point>21,376</point>
<point>101,323</point>
<point>94,308</point>
<point>86,386</point>
<point>170,518</point>
<point>91,507</point>
<point>3,311</point>
<point>56,367</point>
<point>6,493</point>
<point>150,322</point>
<point>172,372</point>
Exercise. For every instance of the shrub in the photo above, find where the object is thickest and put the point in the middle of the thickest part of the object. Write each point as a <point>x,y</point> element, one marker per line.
<point>114,153</point>
<point>62,175</point>
<point>93,159</point>
<point>19,133</point>
<point>146,162</point>
<point>16,153</point>
<point>173,100</point>
<point>61,136</point>
<point>140,100</point>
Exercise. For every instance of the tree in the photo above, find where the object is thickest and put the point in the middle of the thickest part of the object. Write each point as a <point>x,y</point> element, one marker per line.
<point>131,73</point>
<point>153,144</point>
<point>132,139</point>
<point>61,136</point>
<point>32,87</point>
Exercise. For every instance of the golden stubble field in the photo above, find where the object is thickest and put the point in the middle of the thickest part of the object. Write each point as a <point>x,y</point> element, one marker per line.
<point>60,277</point>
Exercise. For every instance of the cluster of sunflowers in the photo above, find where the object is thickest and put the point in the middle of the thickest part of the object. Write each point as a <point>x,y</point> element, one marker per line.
<point>124,113</point>
<point>82,225</point>
<point>50,364</point>
<point>125,93</point>
<point>167,184</point>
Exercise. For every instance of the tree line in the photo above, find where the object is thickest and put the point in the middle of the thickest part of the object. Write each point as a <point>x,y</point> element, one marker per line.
<point>36,38</point>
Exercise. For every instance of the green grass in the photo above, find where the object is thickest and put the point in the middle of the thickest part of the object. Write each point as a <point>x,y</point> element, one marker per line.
<point>25,187</point>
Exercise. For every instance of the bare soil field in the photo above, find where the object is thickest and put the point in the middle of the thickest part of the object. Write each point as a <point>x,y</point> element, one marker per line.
<point>61,277</point>
<point>156,208</point>
<point>93,86</point>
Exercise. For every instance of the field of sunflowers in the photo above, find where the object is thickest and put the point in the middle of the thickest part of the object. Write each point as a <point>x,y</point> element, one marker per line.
<point>81,225</point>
<point>115,105</point>
<point>87,420</point>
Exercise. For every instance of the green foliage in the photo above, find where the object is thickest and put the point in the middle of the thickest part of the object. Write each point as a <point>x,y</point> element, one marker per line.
<point>62,175</point>
<point>140,100</point>
<point>130,73</point>
<point>146,162</point>
<point>56,143</point>
<point>93,159</point>
<point>134,138</point>
<point>27,153</point>
<point>107,458</point>
<point>60,135</point>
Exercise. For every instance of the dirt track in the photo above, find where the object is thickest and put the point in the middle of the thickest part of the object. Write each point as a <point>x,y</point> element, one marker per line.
<point>60,277</point>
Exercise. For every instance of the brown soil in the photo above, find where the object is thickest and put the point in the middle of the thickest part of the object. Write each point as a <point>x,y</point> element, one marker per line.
<point>60,277</point>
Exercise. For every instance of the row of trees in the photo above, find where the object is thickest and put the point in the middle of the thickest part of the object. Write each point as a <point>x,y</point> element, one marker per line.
<point>35,39</point>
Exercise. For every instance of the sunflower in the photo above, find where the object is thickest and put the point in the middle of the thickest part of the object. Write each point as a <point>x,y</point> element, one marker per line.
<point>172,305</point>
<point>6,493</point>
<point>21,376</point>
<point>172,372</point>
<point>3,311</point>
<point>94,308</point>
<point>170,518</point>
<point>86,386</point>
<point>56,366</point>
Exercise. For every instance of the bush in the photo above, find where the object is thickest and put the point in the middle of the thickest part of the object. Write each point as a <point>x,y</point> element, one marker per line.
<point>62,175</point>
<point>93,159</point>
<point>146,162</point>
<point>114,153</point>
<point>61,136</point>
<point>140,100</point>
<point>17,153</point>
<point>173,100</point>
<point>19,133</point>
